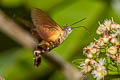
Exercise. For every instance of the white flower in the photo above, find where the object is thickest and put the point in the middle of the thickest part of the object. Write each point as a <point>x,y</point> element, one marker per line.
<point>89,55</point>
<point>114,35</point>
<point>87,61</point>
<point>114,40</point>
<point>91,45</point>
<point>107,43</point>
<point>115,26</point>
<point>89,50</point>
<point>105,39</point>
<point>101,29</point>
<point>82,64</point>
<point>85,67</point>
<point>99,74</point>
<point>113,56</point>
<point>93,50</point>
<point>118,31</point>
<point>100,42</point>
<point>93,62</point>
<point>107,23</point>
<point>99,69</point>
<point>112,50</point>
<point>102,61</point>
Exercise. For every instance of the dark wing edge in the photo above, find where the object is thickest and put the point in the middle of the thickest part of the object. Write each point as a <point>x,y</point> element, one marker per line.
<point>40,18</point>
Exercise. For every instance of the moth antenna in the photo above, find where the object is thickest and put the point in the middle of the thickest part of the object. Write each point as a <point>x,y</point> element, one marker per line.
<point>86,30</point>
<point>77,21</point>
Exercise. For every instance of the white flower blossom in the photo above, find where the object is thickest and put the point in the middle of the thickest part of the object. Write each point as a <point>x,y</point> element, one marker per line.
<point>118,31</point>
<point>114,40</point>
<point>107,44</point>
<point>112,50</point>
<point>101,29</point>
<point>89,55</point>
<point>102,61</point>
<point>85,67</point>
<point>99,69</point>
<point>107,23</point>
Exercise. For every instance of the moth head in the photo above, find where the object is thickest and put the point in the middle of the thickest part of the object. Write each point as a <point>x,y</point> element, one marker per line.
<point>67,29</point>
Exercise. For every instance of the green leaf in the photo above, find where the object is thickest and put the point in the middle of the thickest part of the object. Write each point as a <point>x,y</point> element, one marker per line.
<point>108,60</point>
<point>118,67</point>
<point>77,61</point>
<point>112,68</point>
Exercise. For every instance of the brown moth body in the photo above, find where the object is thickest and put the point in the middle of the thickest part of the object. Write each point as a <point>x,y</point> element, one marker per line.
<point>48,34</point>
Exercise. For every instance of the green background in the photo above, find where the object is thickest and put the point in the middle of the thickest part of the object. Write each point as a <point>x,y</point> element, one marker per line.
<point>16,62</point>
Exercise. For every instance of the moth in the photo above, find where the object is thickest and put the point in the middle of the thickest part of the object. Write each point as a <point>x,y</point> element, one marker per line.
<point>48,34</point>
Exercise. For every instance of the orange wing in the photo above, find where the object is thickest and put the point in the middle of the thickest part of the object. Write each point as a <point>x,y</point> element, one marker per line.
<point>47,28</point>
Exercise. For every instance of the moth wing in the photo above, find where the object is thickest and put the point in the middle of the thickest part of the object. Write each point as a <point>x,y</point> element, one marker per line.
<point>46,27</point>
<point>36,35</point>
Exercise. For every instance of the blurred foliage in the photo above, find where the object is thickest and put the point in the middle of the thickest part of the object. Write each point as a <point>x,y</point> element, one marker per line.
<point>16,62</point>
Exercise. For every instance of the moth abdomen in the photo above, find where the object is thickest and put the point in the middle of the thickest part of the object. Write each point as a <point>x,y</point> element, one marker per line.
<point>41,49</point>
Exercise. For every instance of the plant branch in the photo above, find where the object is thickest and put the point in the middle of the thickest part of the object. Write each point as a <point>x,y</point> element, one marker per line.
<point>10,28</point>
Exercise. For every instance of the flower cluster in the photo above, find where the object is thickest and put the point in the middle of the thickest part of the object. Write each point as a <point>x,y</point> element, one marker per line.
<point>96,68</point>
<point>107,46</point>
